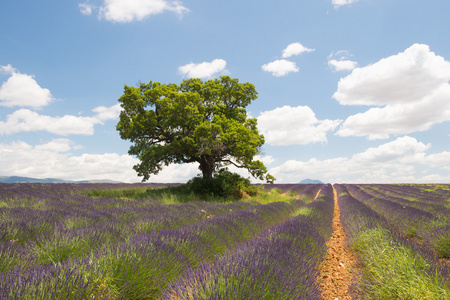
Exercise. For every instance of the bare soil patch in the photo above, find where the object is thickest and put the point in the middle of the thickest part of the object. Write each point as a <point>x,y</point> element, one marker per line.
<point>340,263</point>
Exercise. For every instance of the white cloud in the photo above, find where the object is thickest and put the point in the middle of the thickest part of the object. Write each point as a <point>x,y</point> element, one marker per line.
<point>294,126</point>
<point>107,113</point>
<point>8,69</point>
<point>25,120</point>
<point>204,69</point>
<point>266,159</point>
<point>57,145</point>
<point>53,160</point>
<point>340,61</point>
<point>342,65</point>
<point>295,49</point>
<point>175,173</point>
<point>411,74</point>
<point>403,149</point>
<point>280,67</point>
<point>438,160</point>
<point>124,11</point>
<point>85,8</point>
<point>22,90</point>
<point>393,162</point>
<point>410,86</point>
<point>338,3</point>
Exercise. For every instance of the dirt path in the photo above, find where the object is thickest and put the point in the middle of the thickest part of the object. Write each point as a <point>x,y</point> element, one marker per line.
<point>318,193</point>
<point>335,273</point>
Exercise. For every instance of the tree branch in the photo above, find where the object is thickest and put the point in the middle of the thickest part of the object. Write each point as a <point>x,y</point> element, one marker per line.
<point>232,162</point>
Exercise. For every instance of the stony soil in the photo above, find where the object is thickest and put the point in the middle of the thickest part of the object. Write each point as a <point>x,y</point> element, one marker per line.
<point>340,263</point>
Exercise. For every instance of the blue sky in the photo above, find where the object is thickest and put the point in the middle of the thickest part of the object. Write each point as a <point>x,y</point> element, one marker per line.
<point>349,90</point>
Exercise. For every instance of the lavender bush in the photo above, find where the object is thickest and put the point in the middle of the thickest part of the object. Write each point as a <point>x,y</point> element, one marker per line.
<point>281,262</point>
<point>115,248</point>
<point>387,255</point>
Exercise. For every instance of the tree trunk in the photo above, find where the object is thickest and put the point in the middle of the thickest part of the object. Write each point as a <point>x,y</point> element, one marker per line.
<point>207,166</point>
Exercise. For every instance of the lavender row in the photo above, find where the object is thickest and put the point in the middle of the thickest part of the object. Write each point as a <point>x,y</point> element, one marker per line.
<point>65,210</point>
<point>422,193</point>
<point>322,208</point>
<point>355,215</point>
<point>290,187</point>
<point>432,231</point>
<point>48,282</point>
<point>358,218</point>
<point>310,192</point>
<point>406,219</point>
<point>410,196</point>
<point>134,267</point>
<point>279,263</point>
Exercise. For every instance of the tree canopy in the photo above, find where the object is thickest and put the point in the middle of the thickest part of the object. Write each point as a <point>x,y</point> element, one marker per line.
<point>196,121</point>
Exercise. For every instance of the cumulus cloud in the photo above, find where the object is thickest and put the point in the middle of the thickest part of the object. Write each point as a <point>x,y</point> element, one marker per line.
<point>438,160</point>
<point>107,113</point>
<point>25,120</point>
<point>403,149</point>
<point>294,126</point>
<point>56,160</point>
<point>8,69</point>
<point>339,3</point>
<point>280,67</point>
<point>266,159</point>
<point>123,11</point>
<point>204,69</point>
<point>411,74</point>
<point>22,90</point>
<point>393,162</point>
<point>409,86</point>
<point>85,8</point>
<point>53,159</point>
<point>295,49</point>
<point>340,61</point>
<point>342,65</point>
<point>58,145</point>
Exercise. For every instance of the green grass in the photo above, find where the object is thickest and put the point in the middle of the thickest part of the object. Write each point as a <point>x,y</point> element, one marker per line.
<point>58,247</point>
<point>442,245</point>
<point>165,195</point>
<point>305,211</point>
<point>180,194</point>
<point>448,203</point>
<point>123,193</point>
<point>394,271</point>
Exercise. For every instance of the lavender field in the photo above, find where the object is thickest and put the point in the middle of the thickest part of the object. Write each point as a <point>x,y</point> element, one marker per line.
<point>124,241</point>
<point>401,234</point>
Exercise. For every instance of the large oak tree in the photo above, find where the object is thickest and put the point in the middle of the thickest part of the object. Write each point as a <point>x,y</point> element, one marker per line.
<point>196,121</point>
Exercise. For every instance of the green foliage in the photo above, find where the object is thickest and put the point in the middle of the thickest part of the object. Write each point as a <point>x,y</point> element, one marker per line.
<point>442,244</point>
<point>196,121</point>
<point>58,247</point>
<point>124,193</point>
<point>177,194</point>
<point>394,271</point>
<point>305,211</point>
<point>224,184</point>
<point>277,191</point>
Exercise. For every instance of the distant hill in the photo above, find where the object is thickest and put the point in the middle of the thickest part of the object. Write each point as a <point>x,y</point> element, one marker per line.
<point>311,181</point>
<point>17,179</point>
